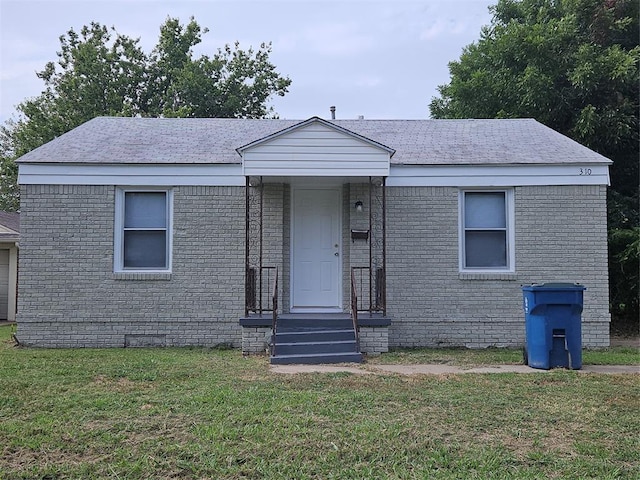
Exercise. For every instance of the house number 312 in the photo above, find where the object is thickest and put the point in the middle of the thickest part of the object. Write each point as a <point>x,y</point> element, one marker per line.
<point>585,171</point>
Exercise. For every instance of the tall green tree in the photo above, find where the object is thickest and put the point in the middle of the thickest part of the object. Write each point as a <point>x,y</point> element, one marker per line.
<point>574,66</point>
<point>101,72</point>
<point>9,191</point>
<point>98,72</point>
<point>232,82</point>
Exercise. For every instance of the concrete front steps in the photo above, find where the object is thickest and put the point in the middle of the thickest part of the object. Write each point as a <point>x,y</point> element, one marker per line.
<point>315,339</point>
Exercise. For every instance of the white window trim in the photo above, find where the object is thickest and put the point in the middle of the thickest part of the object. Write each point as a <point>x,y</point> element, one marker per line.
<point>511,235</point>
<point>118,231</point>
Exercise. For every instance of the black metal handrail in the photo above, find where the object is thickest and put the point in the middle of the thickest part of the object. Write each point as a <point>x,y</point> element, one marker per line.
<point>372,288</point>
<point>354,307</point>
<point>274,303</point>
<point>360,277</point>
<point>259,286</point>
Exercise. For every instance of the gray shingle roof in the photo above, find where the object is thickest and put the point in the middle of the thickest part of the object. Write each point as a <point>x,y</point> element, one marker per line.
<point>120,140</point>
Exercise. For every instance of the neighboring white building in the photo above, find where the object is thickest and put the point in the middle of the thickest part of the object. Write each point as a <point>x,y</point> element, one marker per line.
<point>9,238</point>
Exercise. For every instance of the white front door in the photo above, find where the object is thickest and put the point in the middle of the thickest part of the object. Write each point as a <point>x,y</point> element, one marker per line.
<point>316,271</point>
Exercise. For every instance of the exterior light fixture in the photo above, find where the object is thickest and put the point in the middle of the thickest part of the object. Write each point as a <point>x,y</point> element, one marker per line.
<point>358,206</point>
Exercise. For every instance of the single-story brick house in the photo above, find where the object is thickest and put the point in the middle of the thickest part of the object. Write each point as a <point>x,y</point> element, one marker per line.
<point>139,231</point>
<point>9,243</point>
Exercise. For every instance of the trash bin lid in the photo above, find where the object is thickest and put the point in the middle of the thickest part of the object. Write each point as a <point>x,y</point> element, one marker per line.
<point>554,286</point>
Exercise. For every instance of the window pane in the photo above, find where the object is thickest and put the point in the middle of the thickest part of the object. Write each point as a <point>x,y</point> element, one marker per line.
<point>145,210</point>
<point>484,210</point>
<point>145,249</point>
<point>485,249</point>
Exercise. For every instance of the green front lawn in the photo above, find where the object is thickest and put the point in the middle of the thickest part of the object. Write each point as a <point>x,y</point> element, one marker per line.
<point>499,356</point>
<point>210,414</point>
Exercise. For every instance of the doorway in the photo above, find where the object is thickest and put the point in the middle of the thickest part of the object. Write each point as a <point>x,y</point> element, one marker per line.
<point>316,250</point>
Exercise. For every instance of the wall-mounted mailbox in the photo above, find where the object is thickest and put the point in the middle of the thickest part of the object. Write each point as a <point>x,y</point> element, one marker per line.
<point>359,235</point>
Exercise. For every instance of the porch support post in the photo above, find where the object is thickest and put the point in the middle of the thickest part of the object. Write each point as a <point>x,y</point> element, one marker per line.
<point>261,220</point>
<point>371,275</point>
<point>384,246</point>
<point>246,247</point>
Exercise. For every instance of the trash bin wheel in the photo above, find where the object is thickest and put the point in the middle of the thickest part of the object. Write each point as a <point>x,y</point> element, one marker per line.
<point>525,355</point>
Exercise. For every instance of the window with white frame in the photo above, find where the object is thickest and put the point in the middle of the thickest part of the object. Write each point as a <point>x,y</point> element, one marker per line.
<point>143,230</point>
<point>486,230</point>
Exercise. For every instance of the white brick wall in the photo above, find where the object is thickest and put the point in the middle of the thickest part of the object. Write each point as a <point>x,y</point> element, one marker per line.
<point>256,340</point>
<point>69,295</point>
<point>374,340</point>
<point>560,235</point>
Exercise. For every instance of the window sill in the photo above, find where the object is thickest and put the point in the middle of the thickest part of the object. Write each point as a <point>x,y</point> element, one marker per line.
<point>488,276</point>
<point>141,275</point>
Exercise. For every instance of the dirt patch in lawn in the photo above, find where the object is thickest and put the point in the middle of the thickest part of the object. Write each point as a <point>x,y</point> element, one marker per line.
<point>631,342</point>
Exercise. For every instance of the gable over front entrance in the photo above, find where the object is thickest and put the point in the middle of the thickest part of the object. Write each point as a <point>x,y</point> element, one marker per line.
<point>315,148</point>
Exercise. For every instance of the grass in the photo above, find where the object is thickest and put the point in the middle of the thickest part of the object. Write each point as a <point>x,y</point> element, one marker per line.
<point>199,413</point>
<point>499,356</point>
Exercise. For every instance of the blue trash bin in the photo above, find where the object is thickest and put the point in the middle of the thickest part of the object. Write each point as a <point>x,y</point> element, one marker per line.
<point>553,320</point>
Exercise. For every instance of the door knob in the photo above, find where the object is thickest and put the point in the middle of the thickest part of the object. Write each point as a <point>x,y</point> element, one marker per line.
<point>337,254</point>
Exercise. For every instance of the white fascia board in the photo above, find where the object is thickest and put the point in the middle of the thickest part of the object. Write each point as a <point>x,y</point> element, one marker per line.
<point>317,172</point>
<point>128,175</point>
<point>497,175</point>
<point>234,174</point>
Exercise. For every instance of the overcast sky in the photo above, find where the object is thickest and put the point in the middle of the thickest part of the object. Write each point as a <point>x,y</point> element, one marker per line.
<point>381,59</point>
